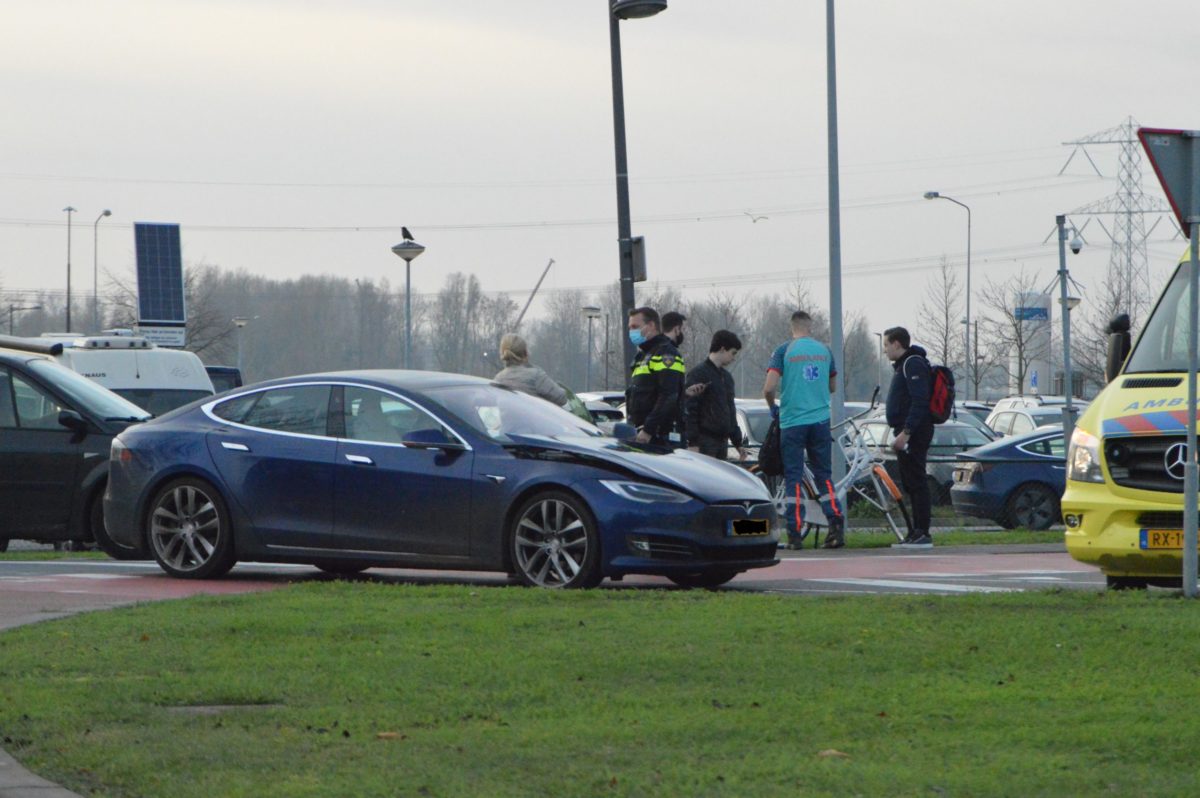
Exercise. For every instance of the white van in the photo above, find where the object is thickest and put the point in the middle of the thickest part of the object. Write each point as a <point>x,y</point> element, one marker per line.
<point>155,379</point>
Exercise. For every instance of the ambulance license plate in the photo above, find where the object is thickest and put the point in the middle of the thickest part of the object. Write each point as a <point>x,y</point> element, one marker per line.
<point>1160,539</point>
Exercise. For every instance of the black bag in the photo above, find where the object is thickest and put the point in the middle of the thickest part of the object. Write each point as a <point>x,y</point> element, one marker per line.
<point>770,454</point>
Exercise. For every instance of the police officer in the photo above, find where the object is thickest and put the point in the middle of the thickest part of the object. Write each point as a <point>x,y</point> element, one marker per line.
<point>656,383</point>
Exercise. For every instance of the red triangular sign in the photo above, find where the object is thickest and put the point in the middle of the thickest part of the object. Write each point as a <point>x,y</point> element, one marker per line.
<point>1174,156</point>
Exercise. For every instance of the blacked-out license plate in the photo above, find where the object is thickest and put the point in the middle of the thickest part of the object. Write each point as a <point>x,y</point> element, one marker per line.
<point>749,527</point>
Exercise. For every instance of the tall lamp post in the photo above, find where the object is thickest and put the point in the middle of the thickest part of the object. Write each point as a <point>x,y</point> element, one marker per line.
<point>14,309</point>
<point>1068,304</point>
<point>882,360</point>
<point>409,250</point>
<point>240,322</point>
<point>592,312</point>
<point>929,195</point>
<point>68,211</point>
<point>618,10</point>
<point>96,269</point>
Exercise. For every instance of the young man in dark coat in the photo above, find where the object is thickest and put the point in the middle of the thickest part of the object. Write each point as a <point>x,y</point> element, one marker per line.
<point>710,414</point>
<point>908,416</point>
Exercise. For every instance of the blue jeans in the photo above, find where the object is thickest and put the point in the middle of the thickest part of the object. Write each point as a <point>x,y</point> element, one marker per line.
<point>812,443</point>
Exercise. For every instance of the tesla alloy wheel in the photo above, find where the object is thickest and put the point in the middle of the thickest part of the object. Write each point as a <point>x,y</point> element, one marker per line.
<point>554,542</point>
<point>189,531</point>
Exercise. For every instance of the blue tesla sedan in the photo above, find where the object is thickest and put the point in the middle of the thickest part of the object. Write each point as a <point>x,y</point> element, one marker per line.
<point>351,470</point>
<point>1016,481</point>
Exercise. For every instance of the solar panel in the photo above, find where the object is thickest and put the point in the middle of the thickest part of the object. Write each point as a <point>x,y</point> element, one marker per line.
<point>159,273</point>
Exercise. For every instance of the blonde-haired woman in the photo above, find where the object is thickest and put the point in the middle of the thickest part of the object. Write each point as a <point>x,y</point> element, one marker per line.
<point>521,375</point>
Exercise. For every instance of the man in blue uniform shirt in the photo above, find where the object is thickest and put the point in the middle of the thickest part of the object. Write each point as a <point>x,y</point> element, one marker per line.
<point>806,370</point>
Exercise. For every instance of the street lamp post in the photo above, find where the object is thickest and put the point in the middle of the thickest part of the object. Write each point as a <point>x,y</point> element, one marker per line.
<point>618,10</point>
<point>96,270</point>
<point>240,322</point>
<point>592,312</point>
<point>68,211</point>
<point>967,323</point>
<point>14,308</point>
<point>1067,306</point>
<point>409,250</point>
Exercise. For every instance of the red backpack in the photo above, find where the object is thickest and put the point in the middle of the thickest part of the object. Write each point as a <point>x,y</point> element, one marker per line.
<point>941,393</point>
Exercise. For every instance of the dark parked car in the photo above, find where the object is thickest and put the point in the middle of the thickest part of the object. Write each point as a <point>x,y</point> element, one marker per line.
<point>55,430</point>
<point>1015,481</point>
<point>352,470</point>
<point>224,378</point>
<point>949,440</point>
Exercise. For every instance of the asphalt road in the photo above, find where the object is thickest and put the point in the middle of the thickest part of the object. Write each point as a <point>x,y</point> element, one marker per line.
<point>38,590</point>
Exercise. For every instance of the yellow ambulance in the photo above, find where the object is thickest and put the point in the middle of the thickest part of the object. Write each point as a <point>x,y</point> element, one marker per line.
<point>1123,504</point>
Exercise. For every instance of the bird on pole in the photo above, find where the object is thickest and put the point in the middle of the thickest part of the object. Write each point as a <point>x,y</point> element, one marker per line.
<point>407,235</point>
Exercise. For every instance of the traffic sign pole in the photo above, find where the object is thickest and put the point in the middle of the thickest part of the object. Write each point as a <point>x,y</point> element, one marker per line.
<point>1175,156</point>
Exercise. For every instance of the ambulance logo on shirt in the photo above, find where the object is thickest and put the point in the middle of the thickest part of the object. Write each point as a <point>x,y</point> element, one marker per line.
<point>812,372</point>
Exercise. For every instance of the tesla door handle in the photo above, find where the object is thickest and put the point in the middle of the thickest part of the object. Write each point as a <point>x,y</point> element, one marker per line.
<point>359,459</point>
<point>235,447</point>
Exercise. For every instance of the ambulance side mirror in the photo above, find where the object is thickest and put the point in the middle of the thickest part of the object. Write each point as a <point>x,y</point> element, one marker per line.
<point>1119,344</point>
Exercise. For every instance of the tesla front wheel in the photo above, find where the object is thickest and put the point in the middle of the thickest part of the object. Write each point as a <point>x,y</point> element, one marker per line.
<point>189,530</point>
<point>554,542</point>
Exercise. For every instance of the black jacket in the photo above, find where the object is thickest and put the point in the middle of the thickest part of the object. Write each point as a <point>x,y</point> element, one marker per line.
<point>711,415</point>
<point>908,396</point>
<point>656,387</point>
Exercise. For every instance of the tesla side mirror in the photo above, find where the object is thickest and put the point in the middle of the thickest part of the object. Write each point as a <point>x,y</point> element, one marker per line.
<point>624,432</point>
<point>72,421</point>
<point>430,439</point>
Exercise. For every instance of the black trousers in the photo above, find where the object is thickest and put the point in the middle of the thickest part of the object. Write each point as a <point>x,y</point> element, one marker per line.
<point>913,479</point>
<point>713,446</point>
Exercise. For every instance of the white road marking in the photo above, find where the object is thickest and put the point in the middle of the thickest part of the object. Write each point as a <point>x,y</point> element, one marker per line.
<point>909,585</point>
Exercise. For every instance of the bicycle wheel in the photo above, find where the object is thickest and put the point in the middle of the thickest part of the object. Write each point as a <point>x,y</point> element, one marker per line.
<point>893,503</point>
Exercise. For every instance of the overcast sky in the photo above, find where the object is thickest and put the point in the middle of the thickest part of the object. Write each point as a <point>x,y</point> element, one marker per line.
<point>291,137</point>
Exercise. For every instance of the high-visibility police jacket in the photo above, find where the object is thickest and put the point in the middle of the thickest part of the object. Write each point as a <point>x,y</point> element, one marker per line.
<point>656,387</point>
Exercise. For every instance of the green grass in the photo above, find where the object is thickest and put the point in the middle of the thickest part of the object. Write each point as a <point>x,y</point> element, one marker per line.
<point>877,539</point>
<point>50,554</point>
<point>507,691</point>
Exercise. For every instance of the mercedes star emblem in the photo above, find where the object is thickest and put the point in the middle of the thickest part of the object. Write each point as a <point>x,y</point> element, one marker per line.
<point>1175,460</point>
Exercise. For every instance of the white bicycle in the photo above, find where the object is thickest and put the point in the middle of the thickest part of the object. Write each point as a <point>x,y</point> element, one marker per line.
<point>866,480</point>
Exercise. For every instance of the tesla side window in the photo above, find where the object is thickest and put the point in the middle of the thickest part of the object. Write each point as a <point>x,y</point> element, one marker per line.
<point>300,409</point>
<point>382,418</point>
<point>8,414</point>
<point>237,409</point>
<point>36,409</point>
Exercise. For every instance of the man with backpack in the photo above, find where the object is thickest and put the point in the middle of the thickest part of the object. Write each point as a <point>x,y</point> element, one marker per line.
<point>909,416</point>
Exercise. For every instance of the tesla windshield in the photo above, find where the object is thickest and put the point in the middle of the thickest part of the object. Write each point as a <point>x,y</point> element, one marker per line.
<point>498,412</point>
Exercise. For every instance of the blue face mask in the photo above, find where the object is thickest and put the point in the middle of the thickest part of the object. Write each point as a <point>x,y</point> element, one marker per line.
<point>637,337</point>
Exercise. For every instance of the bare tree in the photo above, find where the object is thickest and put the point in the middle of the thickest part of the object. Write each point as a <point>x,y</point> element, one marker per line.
<point>1009,337</point>
<point>940,312</point>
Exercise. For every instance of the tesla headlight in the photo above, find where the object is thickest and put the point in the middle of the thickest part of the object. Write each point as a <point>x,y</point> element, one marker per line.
<point>641,492</point>
<point>1083,458</point>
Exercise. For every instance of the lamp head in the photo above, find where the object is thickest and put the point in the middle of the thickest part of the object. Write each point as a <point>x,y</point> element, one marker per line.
<point>932,195</point>
<point>106,212</point>
<point>408,250</point>
<point>637,9</point>
<point>591,311</point>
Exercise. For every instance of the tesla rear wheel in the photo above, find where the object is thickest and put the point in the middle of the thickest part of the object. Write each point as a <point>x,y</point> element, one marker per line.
<point>189,530</point>
<point>703,579</point>
<point>554,542</point>
<point>1033,506</point>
